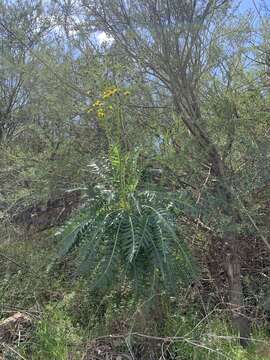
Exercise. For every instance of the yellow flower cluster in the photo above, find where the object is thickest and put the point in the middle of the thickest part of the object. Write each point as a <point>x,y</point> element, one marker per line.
<point>98,103</point>
<point>100,109</point>
<point>100,113</point>
<point>113,91</point>
<point>108,93</point>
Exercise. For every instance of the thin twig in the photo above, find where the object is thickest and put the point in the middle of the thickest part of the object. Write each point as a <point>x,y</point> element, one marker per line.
<point>11,260</point>
<point>15,352</point>
<point>236,338</point>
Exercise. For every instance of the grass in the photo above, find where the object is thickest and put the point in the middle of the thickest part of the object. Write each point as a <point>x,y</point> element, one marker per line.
<point>55,336</point>
<point>69,315</point>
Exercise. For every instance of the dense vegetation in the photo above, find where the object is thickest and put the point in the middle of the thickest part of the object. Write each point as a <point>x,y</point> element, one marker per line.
<point>134,179</point>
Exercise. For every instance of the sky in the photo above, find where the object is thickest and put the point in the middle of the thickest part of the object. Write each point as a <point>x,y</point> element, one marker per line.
<point>253,5</point>
<point>246,5</point>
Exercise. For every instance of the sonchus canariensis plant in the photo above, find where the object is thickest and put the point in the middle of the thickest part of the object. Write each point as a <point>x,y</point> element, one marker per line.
<point>126,232</point>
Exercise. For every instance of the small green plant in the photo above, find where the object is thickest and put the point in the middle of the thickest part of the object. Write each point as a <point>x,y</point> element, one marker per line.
<point>54,335</point>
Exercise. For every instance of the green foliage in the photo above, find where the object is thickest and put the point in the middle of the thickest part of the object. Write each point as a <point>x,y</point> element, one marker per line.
<point>23,279</point>
<point>54,336</point>
<point>76,314</point>
<point>212,338</point>
<point>128,233</point>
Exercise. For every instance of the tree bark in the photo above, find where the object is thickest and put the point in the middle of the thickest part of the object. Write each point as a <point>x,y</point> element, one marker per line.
<point>233,270</point>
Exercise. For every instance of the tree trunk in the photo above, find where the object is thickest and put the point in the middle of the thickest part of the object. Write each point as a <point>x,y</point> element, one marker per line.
<point>232,265</point>
<point>233,270</point>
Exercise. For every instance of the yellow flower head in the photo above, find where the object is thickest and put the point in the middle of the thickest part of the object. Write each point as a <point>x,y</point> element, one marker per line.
<point>114,91</point>
<point>100,113</point>
<point>106,95</point>
<point>110,92</point>
<point>126,93</point>
<point>97,103</point>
